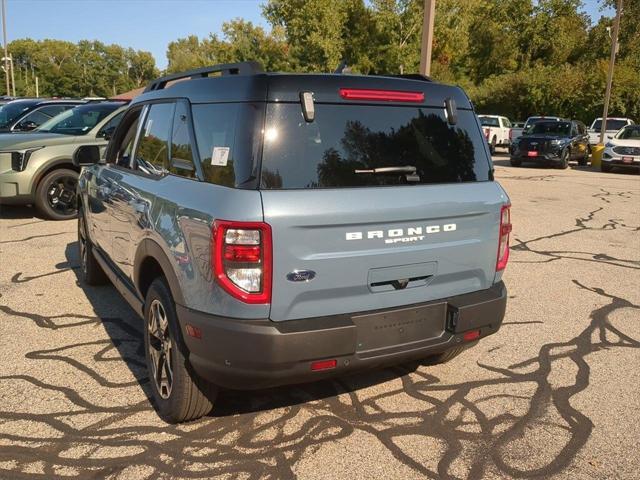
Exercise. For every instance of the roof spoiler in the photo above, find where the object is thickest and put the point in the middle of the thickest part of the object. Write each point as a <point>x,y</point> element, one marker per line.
<point>240,68</point>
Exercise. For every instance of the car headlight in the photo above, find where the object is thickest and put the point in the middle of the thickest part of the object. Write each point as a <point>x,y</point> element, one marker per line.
<point>20,158</point>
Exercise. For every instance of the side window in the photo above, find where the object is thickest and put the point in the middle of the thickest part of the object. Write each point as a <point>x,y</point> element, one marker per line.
<point>506,123</point>
<point>214,125</point>
<point>152,153</point>
<point>109,127</point>
<point>181,150</point>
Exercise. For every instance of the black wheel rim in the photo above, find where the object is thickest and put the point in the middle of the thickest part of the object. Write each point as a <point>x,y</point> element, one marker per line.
<point>82,243</point>
<point>160,348</point>
<point>61,195</point>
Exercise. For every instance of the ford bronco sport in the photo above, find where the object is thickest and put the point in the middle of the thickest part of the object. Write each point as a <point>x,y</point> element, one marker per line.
<point>277,228</point>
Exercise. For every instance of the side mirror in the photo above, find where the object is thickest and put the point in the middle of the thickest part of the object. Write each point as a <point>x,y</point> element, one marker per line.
<point>107,133</point>
<point>86,155</point>
<point>26,126</point>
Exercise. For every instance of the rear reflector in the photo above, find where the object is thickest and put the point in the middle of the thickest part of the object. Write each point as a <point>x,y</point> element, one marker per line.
<point>385,95</point>
<point>324,365</point>
<point>472,335</point>
<point>194,332</point>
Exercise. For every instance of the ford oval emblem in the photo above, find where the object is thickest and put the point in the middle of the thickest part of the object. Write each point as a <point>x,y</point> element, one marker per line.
<point>301,275</point>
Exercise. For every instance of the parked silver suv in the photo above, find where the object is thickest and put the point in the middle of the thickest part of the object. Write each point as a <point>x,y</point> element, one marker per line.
<point>279,228</point>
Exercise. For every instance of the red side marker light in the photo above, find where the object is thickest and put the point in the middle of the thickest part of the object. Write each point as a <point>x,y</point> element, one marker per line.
<point>472,335</point>
<point>194,332</point>
<point>324,365</point>
<point>384,95</point>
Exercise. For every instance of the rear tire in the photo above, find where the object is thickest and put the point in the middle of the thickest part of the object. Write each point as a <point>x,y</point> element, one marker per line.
<point>179,394</point>
<point>492,147</point>
<point>90,270</point>
<point>56,194</point>
<point>445,356</point>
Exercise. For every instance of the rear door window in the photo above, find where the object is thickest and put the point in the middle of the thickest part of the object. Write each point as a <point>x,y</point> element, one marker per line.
<point>365,146</point>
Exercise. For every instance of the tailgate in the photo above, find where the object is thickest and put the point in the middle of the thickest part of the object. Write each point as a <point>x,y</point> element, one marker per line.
<point>373,248</point>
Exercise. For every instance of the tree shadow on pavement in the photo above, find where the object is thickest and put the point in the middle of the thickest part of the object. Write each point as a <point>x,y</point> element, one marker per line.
<point>488,425</point>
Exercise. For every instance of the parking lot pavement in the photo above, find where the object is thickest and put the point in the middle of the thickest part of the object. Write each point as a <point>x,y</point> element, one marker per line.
<point>553,394</point>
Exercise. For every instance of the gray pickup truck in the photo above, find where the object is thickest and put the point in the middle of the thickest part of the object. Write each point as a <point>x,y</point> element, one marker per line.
<point>273,229</point>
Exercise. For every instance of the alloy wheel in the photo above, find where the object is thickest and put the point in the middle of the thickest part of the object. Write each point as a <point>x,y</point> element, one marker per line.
<point>61,195</point>
<point>160,348</point>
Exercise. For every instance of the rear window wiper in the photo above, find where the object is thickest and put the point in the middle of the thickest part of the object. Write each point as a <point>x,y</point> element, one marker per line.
<point>410,171</point>
<point>384,170</point>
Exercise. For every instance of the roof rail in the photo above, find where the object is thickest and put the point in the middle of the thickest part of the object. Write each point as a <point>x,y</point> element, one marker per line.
<point>240,68</point>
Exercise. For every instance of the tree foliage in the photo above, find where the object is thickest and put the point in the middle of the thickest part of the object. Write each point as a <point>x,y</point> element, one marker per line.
<point>86,68</point>
<point>514,57</point>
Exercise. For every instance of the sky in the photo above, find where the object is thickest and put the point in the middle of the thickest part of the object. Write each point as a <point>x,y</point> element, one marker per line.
<point>141,24</point>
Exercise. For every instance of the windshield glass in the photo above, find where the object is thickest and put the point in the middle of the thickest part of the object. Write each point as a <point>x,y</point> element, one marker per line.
<point>551,128</point>
<point>78,120</point>
<point>630,132</point>
<point>489,121</point>
<point>12,111</point>
<point>364,146</point>
<point>611,124</point>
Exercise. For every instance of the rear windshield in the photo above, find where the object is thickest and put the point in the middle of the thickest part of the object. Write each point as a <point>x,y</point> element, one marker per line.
<point>489,121</point>
<point>611,124</point>
<point>550,128</point>
<point>363,145</point>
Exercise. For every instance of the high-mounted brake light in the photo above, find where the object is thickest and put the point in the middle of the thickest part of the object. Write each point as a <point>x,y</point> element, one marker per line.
<point>241,257</point>
<point>503,241</point>
<point>384,95</point>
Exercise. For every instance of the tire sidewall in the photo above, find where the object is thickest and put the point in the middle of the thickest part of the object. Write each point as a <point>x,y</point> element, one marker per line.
<point>166,407</point>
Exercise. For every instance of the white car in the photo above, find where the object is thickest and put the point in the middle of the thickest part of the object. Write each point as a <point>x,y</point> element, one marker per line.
<point>497,131</point>
<point>623,150</point>
<point>613,125</point>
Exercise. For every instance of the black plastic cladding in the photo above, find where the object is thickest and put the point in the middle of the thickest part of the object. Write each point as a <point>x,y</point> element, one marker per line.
<point>286,87</point>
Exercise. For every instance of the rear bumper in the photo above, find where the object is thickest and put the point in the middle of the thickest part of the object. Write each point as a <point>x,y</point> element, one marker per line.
<point>548,157</point>
<point>251,354</point>
<point>616,160</point>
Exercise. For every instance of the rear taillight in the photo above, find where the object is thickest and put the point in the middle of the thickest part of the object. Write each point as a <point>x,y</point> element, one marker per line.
<point>384,95</point>
<point>503,241</point>
<point>241,259</point>
<point>486,133</point>
<point>511,134</point>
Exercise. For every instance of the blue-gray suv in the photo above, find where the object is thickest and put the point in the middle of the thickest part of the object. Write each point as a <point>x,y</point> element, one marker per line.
<point>283,228</point>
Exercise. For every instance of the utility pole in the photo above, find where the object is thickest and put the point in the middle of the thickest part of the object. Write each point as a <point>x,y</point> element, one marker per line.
<point>13,78</point>
<point>37,92</point>
<point>427,37</point>
<point>4,41</point>
<point>614,50</point>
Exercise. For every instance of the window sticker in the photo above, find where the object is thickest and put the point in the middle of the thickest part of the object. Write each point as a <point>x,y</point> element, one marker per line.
<point>220,156</point>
